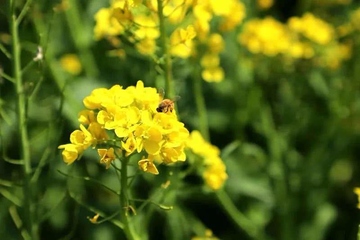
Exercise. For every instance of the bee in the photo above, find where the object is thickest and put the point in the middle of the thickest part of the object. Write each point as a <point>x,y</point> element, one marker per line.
<point>166,105</point>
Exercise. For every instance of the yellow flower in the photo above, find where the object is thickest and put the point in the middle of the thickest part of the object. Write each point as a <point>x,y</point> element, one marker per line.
<point>213,74</point>
<point>181,41</point>
<point>357,192</point>
<point>202,20</point>
<point>106,24</point>
<point>265,4</point>
<point>94,100</point>
<point>149,138</point>
<point>127,119</point>
<point>107,156</point>
<point>86,117</point>
<point>147,27</point>
<point>147,165</point>
<point>146,46</point>
<point>313,28</point>
<point>71,64</point>
<point>267,36</point>
<point>94,218</point>
<point>215,43</point>
<point>71,152</point>
<point>214,173</point>
<point>130,145</point>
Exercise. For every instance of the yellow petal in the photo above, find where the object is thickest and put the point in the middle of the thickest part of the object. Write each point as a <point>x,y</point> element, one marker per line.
<point>148,166</point>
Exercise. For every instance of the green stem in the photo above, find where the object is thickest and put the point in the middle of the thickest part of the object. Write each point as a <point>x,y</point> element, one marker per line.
<point>167,65</point>
<point>76,27</point>
<point>124,202</point>
<point>29,207</point>
<point>280,181</point>
<point>200,105</point>
<point>238,218</point>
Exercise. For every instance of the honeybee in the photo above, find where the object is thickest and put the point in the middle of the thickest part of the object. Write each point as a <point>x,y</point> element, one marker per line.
<point>166,105</point>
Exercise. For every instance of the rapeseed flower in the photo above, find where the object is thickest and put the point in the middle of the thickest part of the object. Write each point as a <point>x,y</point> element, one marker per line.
<point>357,192</point>
<point>214,172</point>
<point>119,122</point>
<point>71,64</point>
<point>181,41</point>
<point>267,36</point>
<point>312,28</point>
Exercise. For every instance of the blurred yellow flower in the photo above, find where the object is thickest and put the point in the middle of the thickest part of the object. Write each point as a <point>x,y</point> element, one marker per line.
<point>212,72</point>
<point>94,218</point>
<point>267,36</point>
<point>106,24</point>
<point>357,192</point>
<point>215,43</point>
<point>181,41</point>
<point>264,4</point>
<point>312,28</point>
<point>71,63</point>
<point>215,169</point>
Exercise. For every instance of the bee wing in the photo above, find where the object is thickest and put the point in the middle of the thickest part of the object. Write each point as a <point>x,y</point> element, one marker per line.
<point>176,98</point>
<point>161,94</point>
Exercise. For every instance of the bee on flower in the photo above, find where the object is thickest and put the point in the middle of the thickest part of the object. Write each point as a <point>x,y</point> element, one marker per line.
<point>134,121</point>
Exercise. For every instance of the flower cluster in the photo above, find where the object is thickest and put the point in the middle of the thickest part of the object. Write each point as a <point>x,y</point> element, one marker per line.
<point>119,122</point>
<point>215,170</point>
<point>306,37</point>
<point>267,36</point>
<point>189,24</point>
<point>312,28</point>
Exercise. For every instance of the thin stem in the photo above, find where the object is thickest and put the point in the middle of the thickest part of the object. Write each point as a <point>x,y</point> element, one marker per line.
<point>76,27</point>
<point>124,202</point>
<point>7,77</point>
<point>30,211</point>
<point>281,181</point>
<point>167,65</point>
<point>23,12</point>
<point>3,50</point>
<point>239,218</point>
<point>200,105</point>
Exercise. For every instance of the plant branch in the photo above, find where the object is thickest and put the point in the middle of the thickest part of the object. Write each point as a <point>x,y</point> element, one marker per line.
<point>167,65</point>
<point>29,206</point>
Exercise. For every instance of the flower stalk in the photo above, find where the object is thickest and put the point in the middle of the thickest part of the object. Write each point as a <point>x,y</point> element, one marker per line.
<point>167,66</point>
<point>238,218</point>
<point>124,203</point>
<point>29,207</point>
<point>200,105</point>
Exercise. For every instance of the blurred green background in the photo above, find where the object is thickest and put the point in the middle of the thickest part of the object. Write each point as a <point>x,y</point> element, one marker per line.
<point>288,130</point>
